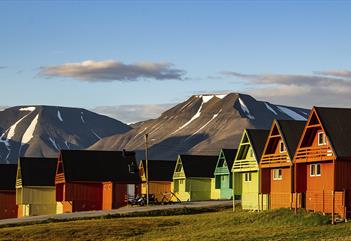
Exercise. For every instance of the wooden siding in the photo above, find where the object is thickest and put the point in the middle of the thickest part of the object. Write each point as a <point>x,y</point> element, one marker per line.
<point>36,209</point>
<point>8,207</point>
<point>157,188</point>
<point>36,195</point>
<point>83,191</point>
<point>194,189</point>
<point>281,190</point>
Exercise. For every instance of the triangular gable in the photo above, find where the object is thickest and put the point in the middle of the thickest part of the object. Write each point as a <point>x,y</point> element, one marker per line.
<point>179,169</point>
<point>275,137</point>
<point>60,174</point>
<point>142,172</point>
<point>222,164</point>
<point>245,158</point>
<point>314,126</point>
<point>19,175</point>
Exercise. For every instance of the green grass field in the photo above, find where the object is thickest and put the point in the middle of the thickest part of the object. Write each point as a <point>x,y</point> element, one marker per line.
<point>280,224</point>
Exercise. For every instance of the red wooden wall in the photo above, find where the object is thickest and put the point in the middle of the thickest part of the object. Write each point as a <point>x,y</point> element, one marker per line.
<point>8,207</point>
<point>280,194</point>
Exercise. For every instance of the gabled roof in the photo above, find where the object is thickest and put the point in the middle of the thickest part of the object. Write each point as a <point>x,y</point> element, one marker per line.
<point>229,155</point>
<point>337,125</point>
<point>38,171</point>
<point>258,138</point>
<point>160,170</point>
<point>199,166</point>
<point>291,131</point>
<point>99,166</point>
<point>8,176</point>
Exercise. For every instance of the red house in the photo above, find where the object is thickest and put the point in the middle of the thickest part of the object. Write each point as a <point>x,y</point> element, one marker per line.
<point>323,162</point>
<point>277,176</point>
<point>8,207</point>
<point>95,180</point>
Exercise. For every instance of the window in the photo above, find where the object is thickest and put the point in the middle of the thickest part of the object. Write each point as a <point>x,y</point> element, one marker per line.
<point>282,147</point>
<point>248,177</point>
<point>315,170</point>
<point>181,181</point>
<point>251,153</point>
<point>176,185</point>
<point>132,168</point>
<point>179,167</point>
<point>277,174</point>
<point>322,139</point>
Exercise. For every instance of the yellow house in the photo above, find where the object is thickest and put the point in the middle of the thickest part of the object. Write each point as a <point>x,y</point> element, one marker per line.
<point>160,177</point>
<point>193,177</point>
<point>35,186</point>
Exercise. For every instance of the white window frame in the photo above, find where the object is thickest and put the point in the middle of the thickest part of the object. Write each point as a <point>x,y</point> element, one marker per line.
<point>324,138</point>
<point>281,143</point>
<point>313,170</point>
<point>248,177</point>
<point>280,174</point>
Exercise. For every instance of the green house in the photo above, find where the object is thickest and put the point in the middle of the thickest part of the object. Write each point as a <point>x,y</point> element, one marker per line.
<point>192,177</point>
<point>222,187</point>
<point>246,173</point>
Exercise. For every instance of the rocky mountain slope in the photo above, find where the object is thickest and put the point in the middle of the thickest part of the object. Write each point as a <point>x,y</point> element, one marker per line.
<point>202,124</point>
<point>43,130</point>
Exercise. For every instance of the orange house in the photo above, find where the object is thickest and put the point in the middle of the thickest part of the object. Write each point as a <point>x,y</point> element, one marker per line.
<point>277,162</point>
<point>8,207</point>
<point>323,162</point>
<point>95,180</point>
<point>160,177</point>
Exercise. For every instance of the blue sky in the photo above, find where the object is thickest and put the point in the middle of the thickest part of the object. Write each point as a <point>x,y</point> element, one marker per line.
<point>277,51</point>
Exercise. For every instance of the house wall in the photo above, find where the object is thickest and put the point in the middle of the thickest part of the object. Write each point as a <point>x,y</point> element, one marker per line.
<point>120,195</point>
<point>157,188</point>
<point>182,193</point>
<point>64,207</point>
<point>83,191</point>
<point>37,209</point>
<point>107,193</point>
<point>281,192</point>
<point>8,207</point>
<point>215,193</point>
<point>199,188</point>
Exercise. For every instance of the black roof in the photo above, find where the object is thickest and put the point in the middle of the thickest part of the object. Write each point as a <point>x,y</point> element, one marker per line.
<point>229,155</point>
<point>337,125</point>
<point>38,171</point>
<point>160,170</point>
<point>99,166</point>
<point>8,176</point>
<point>199,166</point>
<point>291,130</point>
<point>258,138</point>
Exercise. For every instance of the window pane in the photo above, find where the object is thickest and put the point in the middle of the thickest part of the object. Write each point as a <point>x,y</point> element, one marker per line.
<point>312,170</point>
<point>318,169</point>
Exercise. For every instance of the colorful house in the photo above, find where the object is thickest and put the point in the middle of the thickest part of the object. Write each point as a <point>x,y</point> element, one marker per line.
<point>323,162</point>
<point>160,177</point>
<point>193,176</point>
<point>222,182</point>
<point>95,180</point>
<point>35,186</point>
<point>246,173</point>
<point>8,207</point>
<point>277,179</point>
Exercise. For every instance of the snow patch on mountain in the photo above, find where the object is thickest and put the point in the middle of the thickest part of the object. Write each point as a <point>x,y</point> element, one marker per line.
<point>53,142</point>
<point>208,122</point>
<point>59,115</point>
<point>28,134</point>
<point>81,117</point>
<point>270,108</point>
<point>245,109</point>
<point>11,131</point>
<point>30,108</point>
<point>291,113</point>
<point>92,131</point>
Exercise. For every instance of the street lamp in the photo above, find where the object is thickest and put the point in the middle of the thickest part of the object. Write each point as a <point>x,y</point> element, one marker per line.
<point>147,168</point>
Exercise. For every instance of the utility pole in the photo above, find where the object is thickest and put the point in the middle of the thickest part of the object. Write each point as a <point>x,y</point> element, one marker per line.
<point>147,168</point>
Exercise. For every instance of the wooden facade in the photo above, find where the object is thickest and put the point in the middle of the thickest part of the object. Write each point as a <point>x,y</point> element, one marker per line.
<point>95,180</point>
<point>192,178</point>
<point>35,186</point>
<point>246,172</point>
<point>8,206</point>
<point>277,169</point>
<point>322,162</point>
<point>160,177</point>
<point>222,181</point>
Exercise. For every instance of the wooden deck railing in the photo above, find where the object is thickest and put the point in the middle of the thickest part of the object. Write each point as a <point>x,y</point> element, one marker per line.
<point>275,159</point>
<point>60,178</point>
<point>245,165</point>
<point>18,182</point>
<point>321,153</point>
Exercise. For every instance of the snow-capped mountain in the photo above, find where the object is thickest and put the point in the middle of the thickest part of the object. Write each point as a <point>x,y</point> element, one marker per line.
<point>43,130</point>
<point>203,124</point>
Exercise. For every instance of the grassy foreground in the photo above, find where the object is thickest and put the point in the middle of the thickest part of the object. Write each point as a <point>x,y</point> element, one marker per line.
<point>280,224</point>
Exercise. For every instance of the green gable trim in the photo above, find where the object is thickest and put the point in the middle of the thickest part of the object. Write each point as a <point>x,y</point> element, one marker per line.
<point>245,159</point>
<point>222,165</point>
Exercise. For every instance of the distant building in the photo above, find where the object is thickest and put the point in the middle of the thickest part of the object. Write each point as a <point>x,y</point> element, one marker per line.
<point>8,206</point>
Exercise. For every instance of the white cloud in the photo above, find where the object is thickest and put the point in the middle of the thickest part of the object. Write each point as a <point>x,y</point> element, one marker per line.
<point>323,88</point>
<point>110,70</point>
